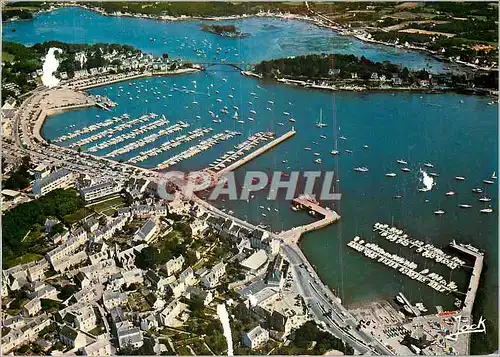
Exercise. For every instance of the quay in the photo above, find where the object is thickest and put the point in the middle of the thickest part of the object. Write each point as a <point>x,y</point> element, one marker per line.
<point>256,153</point>
<point>311,205</point>
<point>416,312</point>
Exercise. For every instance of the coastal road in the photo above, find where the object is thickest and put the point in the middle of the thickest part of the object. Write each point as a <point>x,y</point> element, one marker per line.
<point>326,308</point>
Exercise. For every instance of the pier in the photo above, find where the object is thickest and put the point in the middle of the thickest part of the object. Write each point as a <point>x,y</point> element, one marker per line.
<point>257,152</point>
<point>313,206</point>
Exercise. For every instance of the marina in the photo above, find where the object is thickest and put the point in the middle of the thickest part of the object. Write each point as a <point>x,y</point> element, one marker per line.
<point>148,139</point>
<point>247,145</point>
<point>144,155</point>
<point>428,251</point>
<point>130,135</point>
<point>195,150</point>
<point>403,266</point>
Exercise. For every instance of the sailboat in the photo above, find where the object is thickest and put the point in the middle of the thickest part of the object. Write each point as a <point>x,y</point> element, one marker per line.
<point>494,175</point>
<point>235,116</point>
<point>320,123</point>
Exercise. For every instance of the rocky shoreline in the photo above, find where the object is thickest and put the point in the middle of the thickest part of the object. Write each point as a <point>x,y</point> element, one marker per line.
<point>359,34</point>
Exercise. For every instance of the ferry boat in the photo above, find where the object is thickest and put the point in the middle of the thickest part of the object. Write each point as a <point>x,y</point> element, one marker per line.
<point>390,174</point>
<point>402,162</point>
<point>361,169</point>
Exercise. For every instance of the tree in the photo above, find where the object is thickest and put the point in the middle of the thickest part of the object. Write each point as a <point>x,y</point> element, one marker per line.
<point>164,56</point>
<point>147,258</point>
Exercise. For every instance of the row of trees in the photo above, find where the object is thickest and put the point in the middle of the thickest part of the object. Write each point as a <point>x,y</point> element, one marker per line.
<point>198,8</point>
<point>319,66</point>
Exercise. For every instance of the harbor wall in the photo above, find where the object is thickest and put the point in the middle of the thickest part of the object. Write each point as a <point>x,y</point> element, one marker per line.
<point>257,152</point>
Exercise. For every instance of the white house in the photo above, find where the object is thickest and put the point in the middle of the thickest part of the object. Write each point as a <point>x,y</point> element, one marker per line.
<point>72,337</point>
<point>171,311</point>
<point>212,279</point>
<point>148,231</point>
<point>112,299</point>
<point>58,179</point>
<point>174,265</point>
<point>98,348</point>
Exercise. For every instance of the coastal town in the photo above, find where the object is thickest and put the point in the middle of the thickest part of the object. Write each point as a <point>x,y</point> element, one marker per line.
<point>97,261</point>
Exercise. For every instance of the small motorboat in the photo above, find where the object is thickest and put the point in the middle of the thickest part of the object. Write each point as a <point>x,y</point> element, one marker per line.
<point>488,182</point>
<point>464,206</point>
<point>429,165</point>
<point>459,178</point>
<point>486,210</point>
<point>477,190</point>
<point>334,152</point>
<point>450,193</point>
<point>402,162</point>
<point>439,212</point>
<point>485,199</point>
<point>405,169</point>
<point>390,174</point>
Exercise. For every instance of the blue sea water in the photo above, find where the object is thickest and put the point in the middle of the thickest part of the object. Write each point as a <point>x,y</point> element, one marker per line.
<point>456,133</point>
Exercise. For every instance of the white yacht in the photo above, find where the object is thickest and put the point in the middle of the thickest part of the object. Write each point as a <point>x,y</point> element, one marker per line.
<point>450,193</point>
<point>439,212</point>
<point>459,178</point>
<point>390,174</point>
<point>486,210</point>
<point>402,162</point>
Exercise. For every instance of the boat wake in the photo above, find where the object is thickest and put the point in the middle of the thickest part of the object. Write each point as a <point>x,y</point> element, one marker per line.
<point>427,181</point>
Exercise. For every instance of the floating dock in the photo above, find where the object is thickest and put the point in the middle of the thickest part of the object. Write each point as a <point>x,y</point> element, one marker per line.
<point>256,153</point>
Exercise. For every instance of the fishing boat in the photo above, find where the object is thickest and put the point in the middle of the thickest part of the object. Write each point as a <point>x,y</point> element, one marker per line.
<point>402,162</point>
<point>439,212</point>
<point>450,193</point>
<point>459,178</point>
<point>390,174</point>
